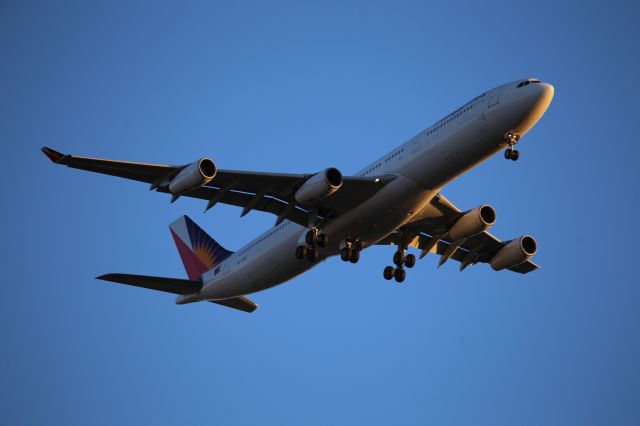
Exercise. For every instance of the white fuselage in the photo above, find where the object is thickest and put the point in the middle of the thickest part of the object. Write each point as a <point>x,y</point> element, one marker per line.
<point>423,165</point>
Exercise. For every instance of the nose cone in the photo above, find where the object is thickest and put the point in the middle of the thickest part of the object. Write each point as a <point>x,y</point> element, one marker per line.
<point>540,99</point>
<point>545,93</point>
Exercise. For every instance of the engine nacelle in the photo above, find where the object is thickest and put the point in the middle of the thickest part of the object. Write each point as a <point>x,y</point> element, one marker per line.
<point>193,176</point>
<point>320,185</point>
<point>514,253</point>
<point>473,222</point>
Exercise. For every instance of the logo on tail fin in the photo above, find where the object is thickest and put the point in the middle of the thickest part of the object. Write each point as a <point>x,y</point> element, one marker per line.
<point>199,252</point>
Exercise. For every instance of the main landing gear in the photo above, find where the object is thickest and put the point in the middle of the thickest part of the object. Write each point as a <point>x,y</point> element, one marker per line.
<point>511,138</point>
<point>314,240</point>
<point>400,260</point>
<point>351,252</point>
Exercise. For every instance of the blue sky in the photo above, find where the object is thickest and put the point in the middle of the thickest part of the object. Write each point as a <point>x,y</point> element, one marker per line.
<point>296,87</point>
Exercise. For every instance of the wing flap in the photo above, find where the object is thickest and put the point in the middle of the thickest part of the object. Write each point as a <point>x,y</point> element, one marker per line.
<point>240,199</point>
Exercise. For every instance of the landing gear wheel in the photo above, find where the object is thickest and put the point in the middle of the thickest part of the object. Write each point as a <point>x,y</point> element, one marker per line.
<point>389,272</point>
<point>312,255</point>
<point>345,254</point>
<point>301,252</point>
<point>410,261</point>
<point>400,274</point>
<point>311,238</point>
<point>511,138</point>
<point>398,258</point>
<point>508,153</point>
<point>355,256</point>
<point>322,240</point>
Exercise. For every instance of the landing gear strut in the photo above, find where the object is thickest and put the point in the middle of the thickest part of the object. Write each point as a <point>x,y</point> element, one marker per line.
<point>511,138</point>
<point>313,240</point>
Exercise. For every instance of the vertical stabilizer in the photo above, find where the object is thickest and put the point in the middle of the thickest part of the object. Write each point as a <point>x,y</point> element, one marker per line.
<point>199,252</point>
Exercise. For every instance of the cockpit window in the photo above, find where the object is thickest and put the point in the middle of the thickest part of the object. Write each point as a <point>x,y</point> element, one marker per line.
<point>527,82</point>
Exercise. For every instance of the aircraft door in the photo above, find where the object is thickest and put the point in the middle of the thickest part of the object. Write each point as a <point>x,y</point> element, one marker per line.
<point>494,98</point>
<point>415,145</point>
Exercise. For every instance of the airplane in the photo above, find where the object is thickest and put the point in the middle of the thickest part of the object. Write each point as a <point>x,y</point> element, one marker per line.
<point>396,200</point>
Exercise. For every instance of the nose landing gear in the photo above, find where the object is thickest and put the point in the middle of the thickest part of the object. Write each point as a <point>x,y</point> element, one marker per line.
<point>511,138</point>
<point>512,154</point>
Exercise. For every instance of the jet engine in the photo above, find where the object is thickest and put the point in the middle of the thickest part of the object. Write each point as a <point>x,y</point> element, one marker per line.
<point>473,222</point>
<point>320,185</point>
<point>514,253</point>
<point>193,176</point>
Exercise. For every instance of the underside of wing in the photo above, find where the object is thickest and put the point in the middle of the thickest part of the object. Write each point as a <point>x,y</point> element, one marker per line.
<point>440,230</point>
<point>276,193</point>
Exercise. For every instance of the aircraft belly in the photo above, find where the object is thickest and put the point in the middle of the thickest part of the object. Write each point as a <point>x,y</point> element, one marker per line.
<point>389,209</point>
<point>279,266</point>
<point>263,269</point>
<point>392,207</point>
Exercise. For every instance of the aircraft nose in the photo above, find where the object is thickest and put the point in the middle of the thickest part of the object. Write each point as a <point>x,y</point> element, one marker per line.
<point>544,94</point>
<point>538,100</point>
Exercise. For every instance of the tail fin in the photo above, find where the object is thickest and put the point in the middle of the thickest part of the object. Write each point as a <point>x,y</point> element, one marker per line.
<point>199,252</point>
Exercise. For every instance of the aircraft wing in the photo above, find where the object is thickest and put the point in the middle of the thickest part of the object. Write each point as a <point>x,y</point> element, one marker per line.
<point>430,233</point>
<point>268,192</point>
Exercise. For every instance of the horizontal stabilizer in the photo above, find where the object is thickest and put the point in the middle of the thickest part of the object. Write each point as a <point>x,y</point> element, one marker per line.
<point>177,286</point>
<point>241,303</point>
<point>168,285</point>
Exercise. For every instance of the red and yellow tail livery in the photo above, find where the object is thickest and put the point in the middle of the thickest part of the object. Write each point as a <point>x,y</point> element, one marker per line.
<point>199,252</point>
